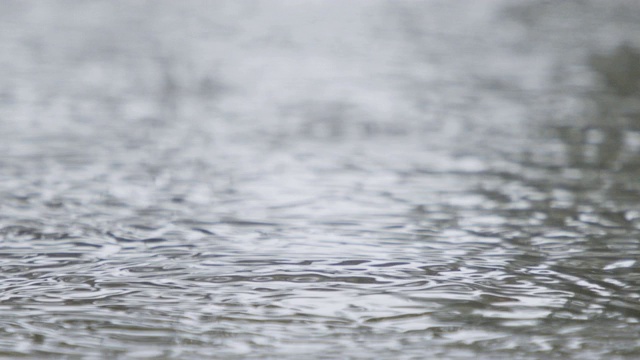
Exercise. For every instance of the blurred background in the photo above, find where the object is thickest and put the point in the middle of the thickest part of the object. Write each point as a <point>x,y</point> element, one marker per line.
<point>279,178</point>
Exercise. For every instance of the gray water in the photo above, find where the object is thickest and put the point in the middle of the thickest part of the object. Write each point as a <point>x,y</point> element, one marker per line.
<point>320,179</point>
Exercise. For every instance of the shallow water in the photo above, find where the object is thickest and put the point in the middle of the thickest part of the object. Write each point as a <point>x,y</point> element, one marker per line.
<point>266,179</point>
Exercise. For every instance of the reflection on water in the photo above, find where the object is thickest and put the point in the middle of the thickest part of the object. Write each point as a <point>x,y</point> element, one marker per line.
<point>619,70</point>
<point>256,180</point>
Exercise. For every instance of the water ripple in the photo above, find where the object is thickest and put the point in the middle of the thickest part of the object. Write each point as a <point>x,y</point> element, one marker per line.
<point>192,194</point>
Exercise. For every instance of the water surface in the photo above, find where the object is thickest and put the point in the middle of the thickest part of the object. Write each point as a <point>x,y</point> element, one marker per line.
<point>271,179</point>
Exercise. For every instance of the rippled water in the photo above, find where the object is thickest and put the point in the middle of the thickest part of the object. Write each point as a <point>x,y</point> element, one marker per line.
<point>272,179</point>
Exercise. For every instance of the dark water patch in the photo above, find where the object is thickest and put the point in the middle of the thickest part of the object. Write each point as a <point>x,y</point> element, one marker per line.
<point>127,240</point>
<point>238,222</point>
<point>351,262</point>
